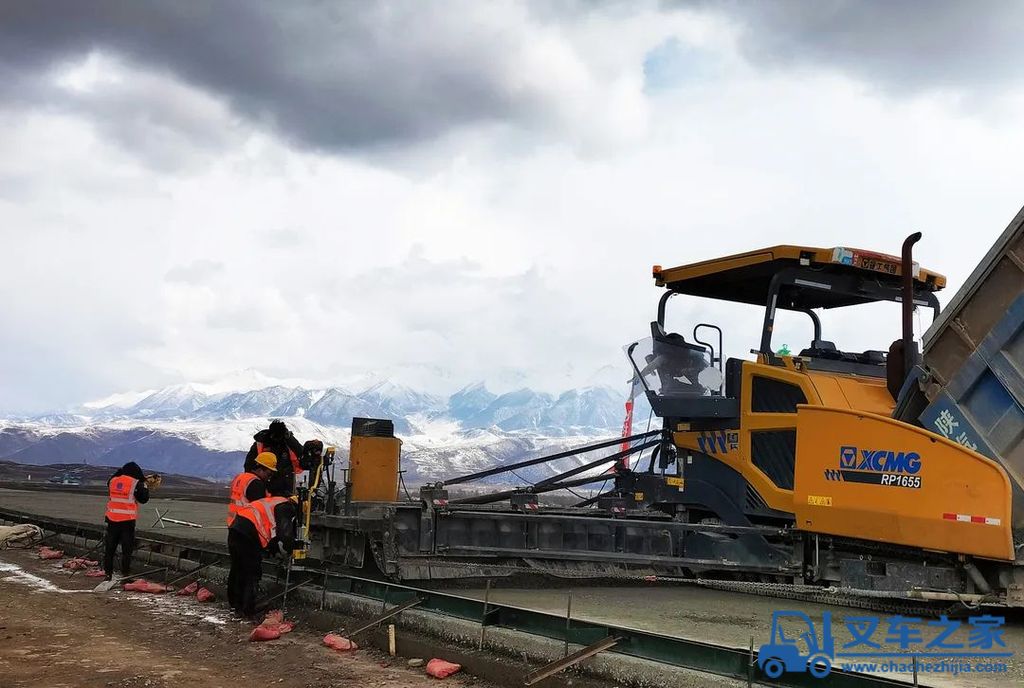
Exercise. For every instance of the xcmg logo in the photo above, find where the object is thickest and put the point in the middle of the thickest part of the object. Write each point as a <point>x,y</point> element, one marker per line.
<point>879,460</point>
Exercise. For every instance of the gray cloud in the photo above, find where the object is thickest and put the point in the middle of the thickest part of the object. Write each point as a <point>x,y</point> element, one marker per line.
<point>902,45</point>
<point>332,76</point>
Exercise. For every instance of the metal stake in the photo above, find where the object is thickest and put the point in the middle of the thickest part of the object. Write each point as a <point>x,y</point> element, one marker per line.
<point>483,619</point>
<point>266,602</point>
<point>323,590</point>
<point>750,664</point>
<point>287,579</point>
<point>193,571</point>
<point>568,622</point>
<point>384,616</point>
<point>915,669</point>
<point>576,657</point>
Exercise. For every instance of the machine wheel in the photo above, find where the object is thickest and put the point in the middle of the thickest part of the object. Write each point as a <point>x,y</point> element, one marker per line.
<point>772,668</point>
<point>819,666</point>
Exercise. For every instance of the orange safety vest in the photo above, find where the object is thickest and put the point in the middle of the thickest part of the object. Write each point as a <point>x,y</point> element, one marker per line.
<point>121,505</point>
<point>261,513</point>
<point>239,486</point>
<point>296,468</point>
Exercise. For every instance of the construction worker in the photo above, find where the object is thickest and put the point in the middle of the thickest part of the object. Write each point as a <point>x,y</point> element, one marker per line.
<point>251,485</point>
<point>280,441</point>
<point>127,489</point>
<point>265,526</point>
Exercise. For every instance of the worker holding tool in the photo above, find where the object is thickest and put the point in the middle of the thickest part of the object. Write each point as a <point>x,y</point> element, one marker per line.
<point>266,526</point>
<point>127,488</point>
<point>251,484</point>
<point>278,440</point>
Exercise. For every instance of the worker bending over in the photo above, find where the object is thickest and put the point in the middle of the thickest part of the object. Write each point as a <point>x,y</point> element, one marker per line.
<point>127,489</point>
<point>251,484</point>
<point>265,526</point>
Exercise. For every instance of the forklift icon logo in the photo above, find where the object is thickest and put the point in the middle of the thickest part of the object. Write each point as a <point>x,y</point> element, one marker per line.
<point>848,457</point>
<point>785,654</point>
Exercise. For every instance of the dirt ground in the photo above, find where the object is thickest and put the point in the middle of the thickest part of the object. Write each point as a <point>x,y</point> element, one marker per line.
<point>55,632</point>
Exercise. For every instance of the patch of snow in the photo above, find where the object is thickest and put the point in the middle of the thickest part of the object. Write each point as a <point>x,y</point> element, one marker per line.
<point>38,584</point>
<point>120,400</point>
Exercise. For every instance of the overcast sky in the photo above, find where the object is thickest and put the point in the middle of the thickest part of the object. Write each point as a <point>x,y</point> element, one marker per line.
<point>453,191</point>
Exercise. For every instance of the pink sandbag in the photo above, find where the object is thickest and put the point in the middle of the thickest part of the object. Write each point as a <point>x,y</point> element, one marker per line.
<point>438,668</point>
<point>188,590</point>
<point>340,643</point>
<point>79,564</point>
<point>95,573</point>
<point>145,586</point>
<point>275,620</point>
<point>47,553</point>
<point>262,632</point>
<point>204,595</point>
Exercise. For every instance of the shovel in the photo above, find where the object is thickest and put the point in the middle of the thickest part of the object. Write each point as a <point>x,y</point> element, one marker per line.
<point>106,585</point>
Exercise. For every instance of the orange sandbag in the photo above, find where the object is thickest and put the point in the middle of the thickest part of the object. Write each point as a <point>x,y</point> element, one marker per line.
<point>47,553</point>
<point>95,573</point>
<point>204,595</point>
<point>188,590</point>
<point>340,643</point>
<point>274,616</point>
<point>262,632</point>
<point>438,668</point>
<point>145,586</point>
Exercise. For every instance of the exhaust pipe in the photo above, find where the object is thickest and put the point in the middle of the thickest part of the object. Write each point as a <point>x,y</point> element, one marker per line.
<point>909,345</point>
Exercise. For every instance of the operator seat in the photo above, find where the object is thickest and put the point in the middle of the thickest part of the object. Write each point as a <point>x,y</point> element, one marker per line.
<point>673,358</point>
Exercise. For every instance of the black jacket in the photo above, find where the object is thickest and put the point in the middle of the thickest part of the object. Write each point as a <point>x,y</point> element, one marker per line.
<point>278,441</point>
<point>285,515</point>
<point>132,470</point>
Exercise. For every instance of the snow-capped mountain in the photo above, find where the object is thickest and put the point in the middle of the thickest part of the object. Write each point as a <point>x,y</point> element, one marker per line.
<point>261,402</point>
<point>204,430</point>
<point>176,401</point>
<point>469,401</point>
<point>398,400</point>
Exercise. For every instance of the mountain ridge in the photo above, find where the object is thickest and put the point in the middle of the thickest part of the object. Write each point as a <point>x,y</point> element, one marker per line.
<point>204,431</point>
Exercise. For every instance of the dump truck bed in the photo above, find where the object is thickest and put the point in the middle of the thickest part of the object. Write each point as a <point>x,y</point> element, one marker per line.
<point>980,303</point>
<point>974,358</point>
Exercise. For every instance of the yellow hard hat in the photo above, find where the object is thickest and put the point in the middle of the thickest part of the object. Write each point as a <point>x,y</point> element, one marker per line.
<point>267,460</point>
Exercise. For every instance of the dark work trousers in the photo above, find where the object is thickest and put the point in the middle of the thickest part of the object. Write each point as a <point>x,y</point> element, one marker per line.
<point>246,571</point>
<point>119,533</point>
